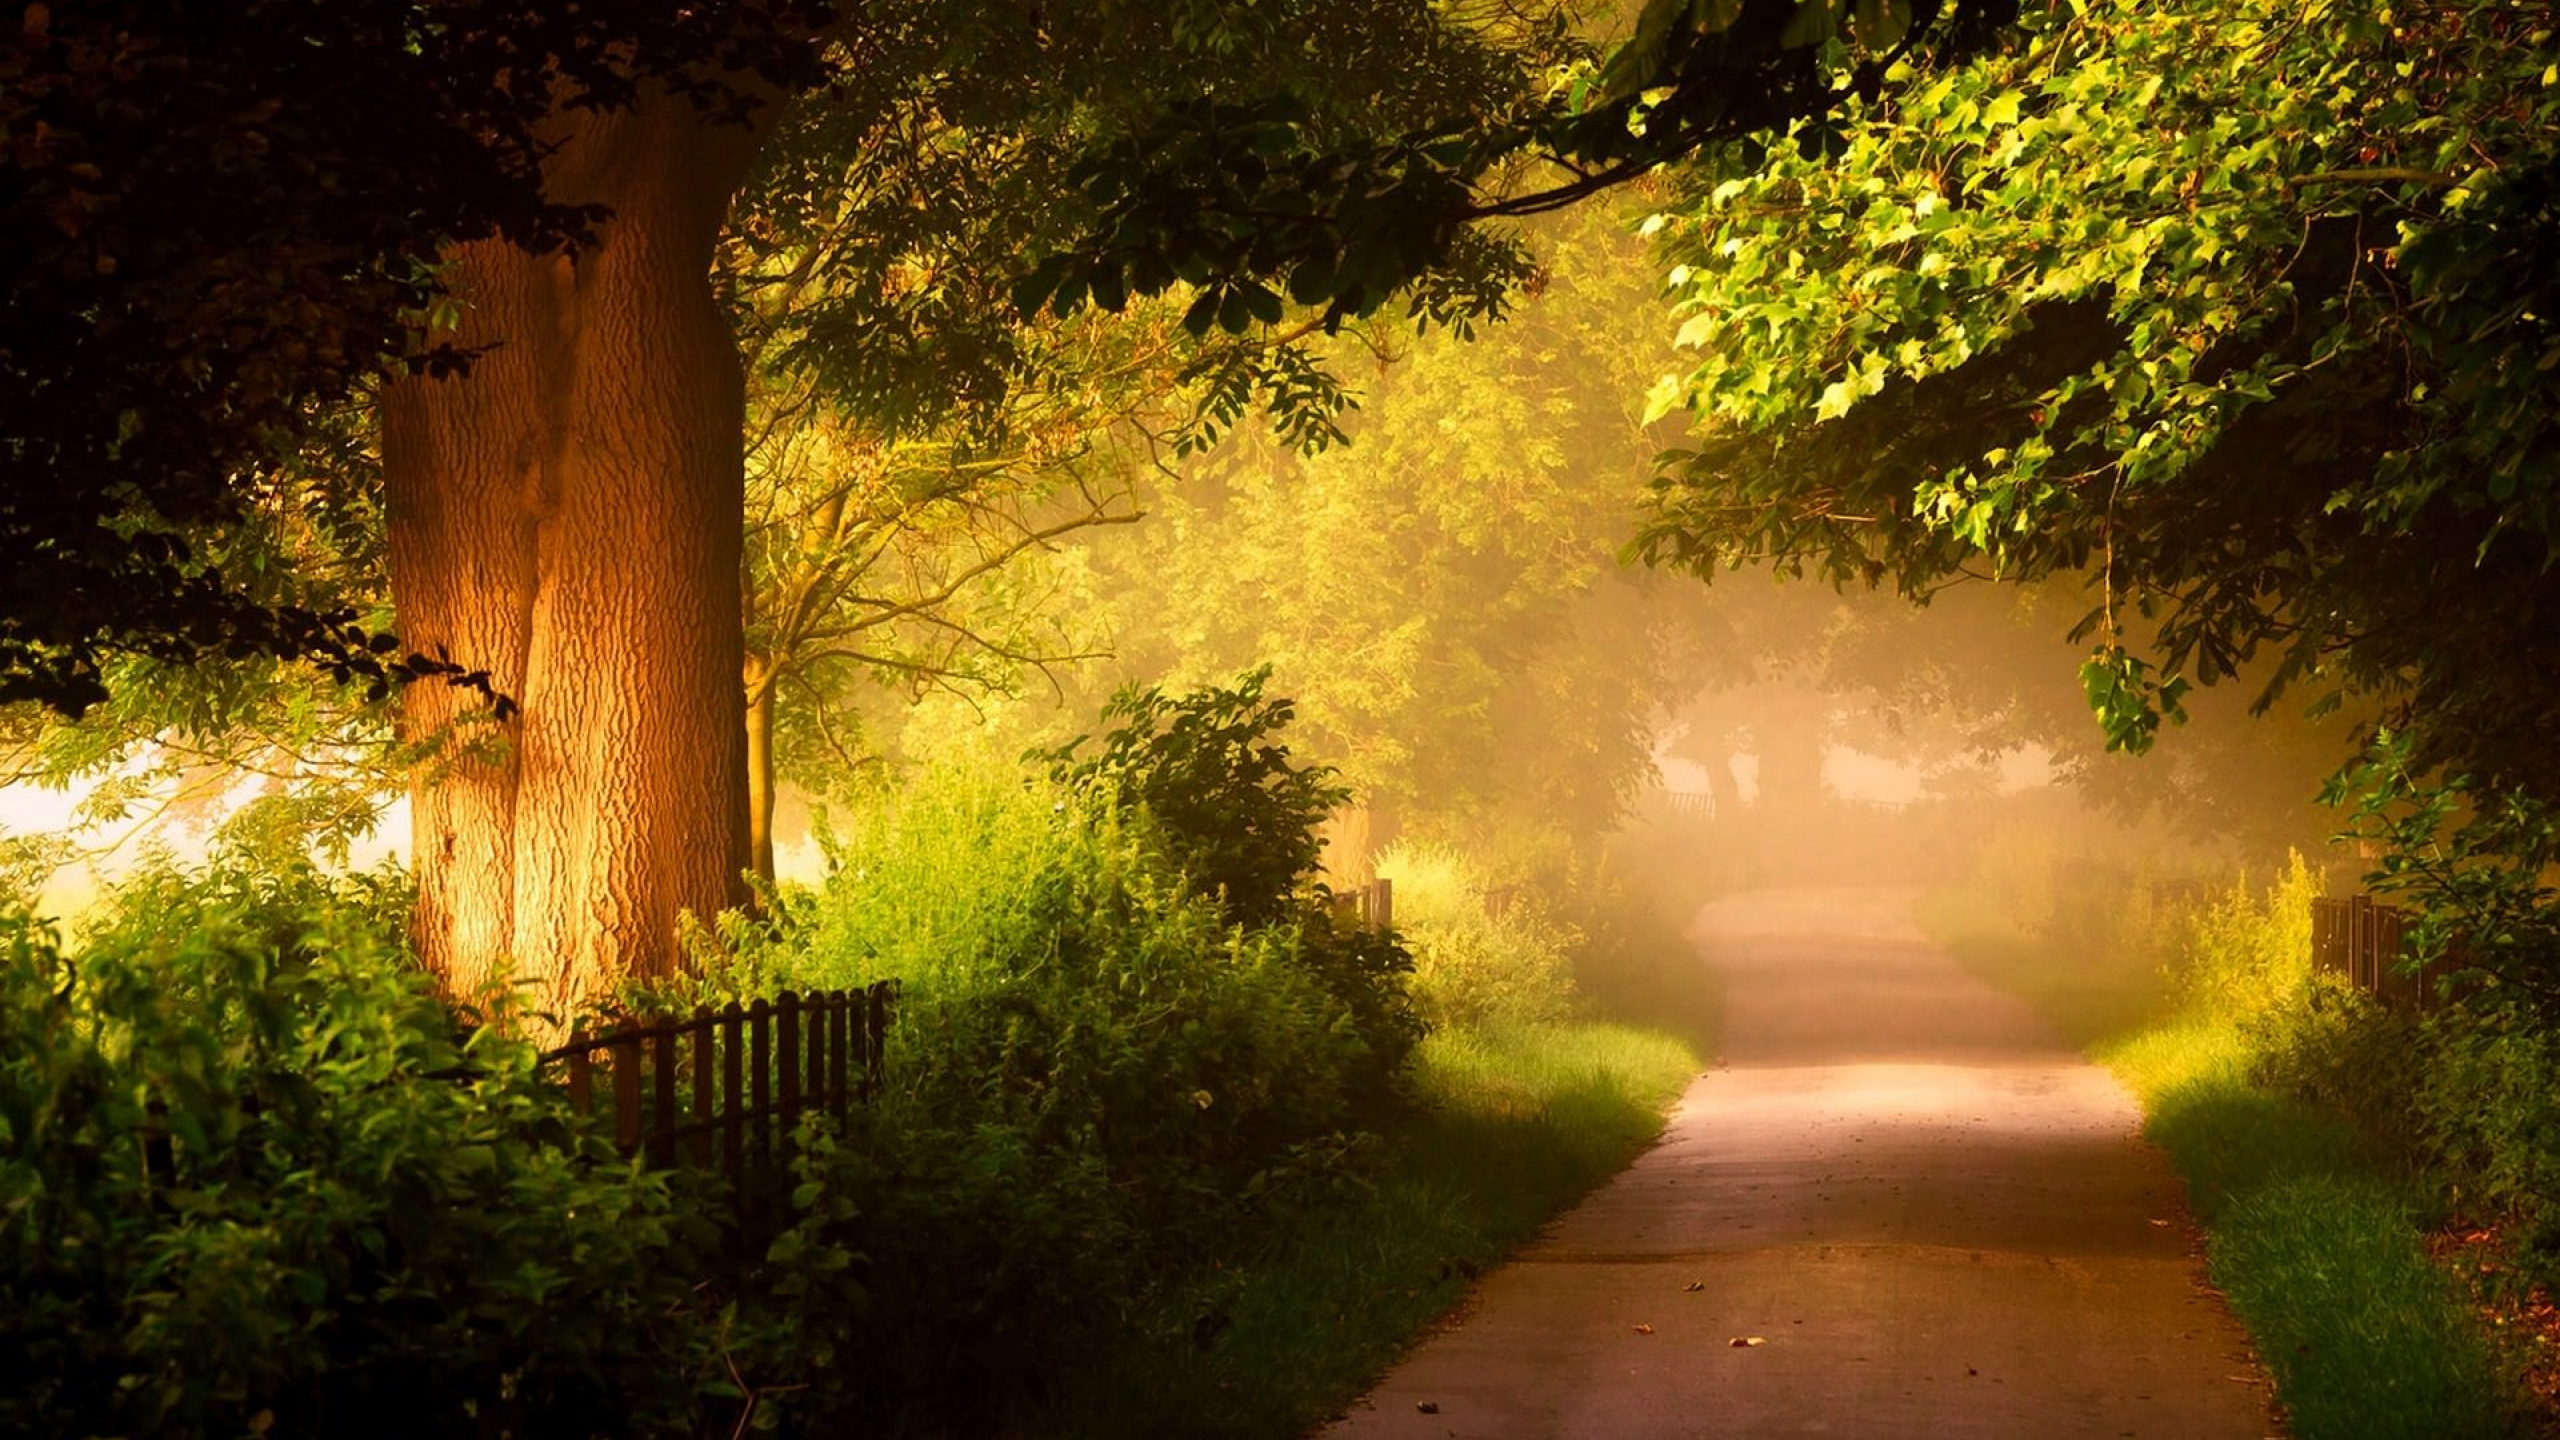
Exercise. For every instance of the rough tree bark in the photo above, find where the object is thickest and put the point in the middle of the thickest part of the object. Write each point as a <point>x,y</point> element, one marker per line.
<point>568,516</point>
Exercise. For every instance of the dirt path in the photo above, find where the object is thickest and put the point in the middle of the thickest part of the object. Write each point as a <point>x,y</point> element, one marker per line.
<point>1939,1221</point>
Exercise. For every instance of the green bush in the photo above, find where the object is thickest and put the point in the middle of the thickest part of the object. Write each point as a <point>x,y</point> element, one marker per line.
<point>2338,1048</point>
<point>2485,1101</point>
<point>1092,1072</point>
<point>364,1219</point>
<point>1471,967</point>
<point>1057,980</point>
<point>2471,1092</point>
<point>2300,1112</point>
<point>1235,815</point>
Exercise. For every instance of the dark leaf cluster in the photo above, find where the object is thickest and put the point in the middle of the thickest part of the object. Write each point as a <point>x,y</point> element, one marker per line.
<point>216,223</point>
<point>1213,773</point>
<point>1247,202</point>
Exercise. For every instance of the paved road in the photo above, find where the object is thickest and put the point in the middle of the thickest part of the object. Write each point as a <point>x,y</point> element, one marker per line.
<point>1939,1221</point>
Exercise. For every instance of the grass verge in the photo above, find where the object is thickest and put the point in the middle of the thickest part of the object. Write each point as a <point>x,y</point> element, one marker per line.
<point>2319,1240</point>
<point>1514,1126</point>
<point>2316,1235</point>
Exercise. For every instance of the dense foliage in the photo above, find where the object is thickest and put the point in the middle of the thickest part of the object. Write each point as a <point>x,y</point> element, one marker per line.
<point>225,226</point>
<point>2204,308</point>
<point>1103,1073</point>
<point>254,1176</point>
<point>220,226</point>
<point>1241,201</point>
<point>1212,773</point>
<point>2242,314</point>
<point>1474,968</point>
<point>1091,1065</point>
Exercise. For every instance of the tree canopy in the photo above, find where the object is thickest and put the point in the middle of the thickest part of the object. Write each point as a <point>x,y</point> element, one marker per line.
<point>223,223</point>
<point>2242,312</point>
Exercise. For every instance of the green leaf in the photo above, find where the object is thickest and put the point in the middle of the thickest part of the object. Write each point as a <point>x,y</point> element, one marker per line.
<point>1032,290</point>
<point>1813,23</point>
<point>1202,314</point>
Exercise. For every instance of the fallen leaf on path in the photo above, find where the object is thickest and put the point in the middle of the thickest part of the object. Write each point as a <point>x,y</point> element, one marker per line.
<point>1693,1287</point>
<point>1644,1329</point>
<point>1744,1342</point>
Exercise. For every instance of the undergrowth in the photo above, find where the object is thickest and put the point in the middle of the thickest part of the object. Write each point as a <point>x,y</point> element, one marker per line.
<point>1510,1126</point>
<point>1161,1148</point>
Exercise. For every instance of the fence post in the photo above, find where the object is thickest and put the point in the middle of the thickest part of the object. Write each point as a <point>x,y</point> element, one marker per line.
<point>813,1093</point>
<point>787,1048</point>
<point>705,1108</point>
<point>2360,943</point>
<point>582,1095</point>
<point>760,1080</point>
<point>626,1093</point>
<point>662,1094</point>
<point>840,1079</point>
<point>875,1031</point>
<point>733,1126</point>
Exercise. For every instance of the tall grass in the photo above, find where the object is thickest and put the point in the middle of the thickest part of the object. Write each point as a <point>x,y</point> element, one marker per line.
<point>1471,967</point>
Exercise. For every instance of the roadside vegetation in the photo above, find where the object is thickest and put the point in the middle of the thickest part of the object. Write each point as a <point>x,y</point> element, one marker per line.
<point>1166,1144</point>
<point>994,364</point>
<point>2325,1142</point>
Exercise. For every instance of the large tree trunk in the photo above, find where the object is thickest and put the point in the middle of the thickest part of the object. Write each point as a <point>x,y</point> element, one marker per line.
<point>568,517</point>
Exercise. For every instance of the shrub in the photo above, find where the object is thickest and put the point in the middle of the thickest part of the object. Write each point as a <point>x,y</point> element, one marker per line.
<point>361,1217</point>
<point>1058,981</point>
<point>1471,967</point>
<point>1091,1068</point>
<point>2336,1047</point>
<point>2486,1104</point>
<point>1235,815</point>
<point>2247,956</point>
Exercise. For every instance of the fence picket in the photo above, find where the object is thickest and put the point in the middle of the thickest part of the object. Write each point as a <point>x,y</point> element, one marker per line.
<point>760,1083</point>
<point>626,1092</point>
<point>2363,942</point>
<point>733,1125</point>
<point>839,1097</point>
<point>582,1097</point>
<point>662,1097</point>
<point>704,1110</point>
<point>786,1045</point>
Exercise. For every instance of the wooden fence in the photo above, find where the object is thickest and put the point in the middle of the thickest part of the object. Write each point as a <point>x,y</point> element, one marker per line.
<point>1698,803</point>
<point>727,1087</point>
<point>1373,904</point>
<point>2364,942</point>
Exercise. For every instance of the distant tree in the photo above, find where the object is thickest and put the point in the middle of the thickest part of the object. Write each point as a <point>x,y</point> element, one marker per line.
<point>1442,595</point>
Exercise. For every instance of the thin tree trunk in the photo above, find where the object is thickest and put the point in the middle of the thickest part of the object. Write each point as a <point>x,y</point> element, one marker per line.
<point>1721,784</point>
<point>569,517</point>
<point>760,774</point>
<point>1349,859</point>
